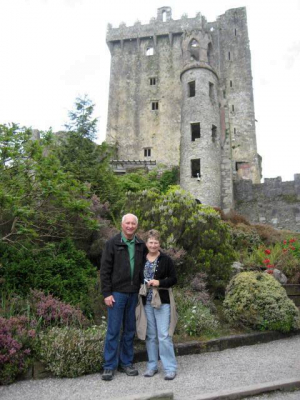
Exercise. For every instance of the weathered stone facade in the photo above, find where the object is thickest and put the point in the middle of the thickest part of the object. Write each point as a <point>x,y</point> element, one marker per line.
<point>273,202</point>
<point>181,94</point>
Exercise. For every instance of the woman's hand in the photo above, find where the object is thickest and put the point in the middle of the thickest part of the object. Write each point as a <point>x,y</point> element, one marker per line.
<point>153,282</point>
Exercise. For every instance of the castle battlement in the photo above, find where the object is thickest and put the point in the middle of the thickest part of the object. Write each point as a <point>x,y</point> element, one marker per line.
<point>273,202</point>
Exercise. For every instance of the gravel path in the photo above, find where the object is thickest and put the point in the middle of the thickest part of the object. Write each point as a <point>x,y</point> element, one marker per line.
<point>197,374</point>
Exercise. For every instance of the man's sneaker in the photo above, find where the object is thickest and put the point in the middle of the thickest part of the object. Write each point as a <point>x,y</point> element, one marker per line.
<point>129,370</point>
<point>150,372</point>
<point>170,375</point>
<point>107,375</point>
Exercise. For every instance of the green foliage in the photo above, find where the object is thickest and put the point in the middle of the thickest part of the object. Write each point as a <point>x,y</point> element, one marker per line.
<point>258,301</point>
<point>244,238</point>
<point>81,120</point>
<point>185,224</point>
<point>71,352</point>
<point>57,268</point>
<point>195,319</point>
<point>38,200</point>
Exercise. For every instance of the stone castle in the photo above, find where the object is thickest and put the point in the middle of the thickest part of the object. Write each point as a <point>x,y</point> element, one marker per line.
<point>181,95</point>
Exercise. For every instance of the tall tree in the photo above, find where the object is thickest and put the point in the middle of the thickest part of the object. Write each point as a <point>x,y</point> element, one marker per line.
<point>81,120</point>
<point>39,201</point>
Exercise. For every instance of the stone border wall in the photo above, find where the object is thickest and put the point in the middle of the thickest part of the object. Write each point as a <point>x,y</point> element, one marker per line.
<point>273,202</point>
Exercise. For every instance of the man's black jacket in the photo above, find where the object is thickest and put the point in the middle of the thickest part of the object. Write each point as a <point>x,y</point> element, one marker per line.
<point>115,266</point>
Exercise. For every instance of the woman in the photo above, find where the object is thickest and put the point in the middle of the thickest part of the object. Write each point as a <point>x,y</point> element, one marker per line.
<point>159,273</point>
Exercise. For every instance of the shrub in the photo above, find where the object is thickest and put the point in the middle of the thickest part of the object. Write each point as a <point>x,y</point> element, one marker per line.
<point>244,237</point>
<point>70,352</point>
<point>51,311</point>
<point>59,269</point>
<point>16,342</point>
<point>195,318</point>
<point>193,227</point>
<point>258,301</point>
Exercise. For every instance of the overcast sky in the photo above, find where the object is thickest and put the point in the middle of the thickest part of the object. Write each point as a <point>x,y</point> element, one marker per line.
<point>52,51</point>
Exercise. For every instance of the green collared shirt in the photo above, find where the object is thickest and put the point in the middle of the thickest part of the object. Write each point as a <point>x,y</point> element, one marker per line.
<point>131,249</point>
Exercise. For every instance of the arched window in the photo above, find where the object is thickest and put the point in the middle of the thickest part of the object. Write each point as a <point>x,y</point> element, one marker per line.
<point>194,43</point>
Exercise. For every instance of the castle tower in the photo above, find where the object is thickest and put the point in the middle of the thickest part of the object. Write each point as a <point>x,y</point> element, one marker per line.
<point>200,150</point>
<point>181,94</point>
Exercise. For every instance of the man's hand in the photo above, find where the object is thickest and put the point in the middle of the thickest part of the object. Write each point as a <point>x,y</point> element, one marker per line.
<point>109,301</point>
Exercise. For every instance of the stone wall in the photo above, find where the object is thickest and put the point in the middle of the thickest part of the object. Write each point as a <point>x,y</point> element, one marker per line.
<point>273,202</point>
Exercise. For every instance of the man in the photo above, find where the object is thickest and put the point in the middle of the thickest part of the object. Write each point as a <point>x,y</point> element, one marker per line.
<point>122,260</point>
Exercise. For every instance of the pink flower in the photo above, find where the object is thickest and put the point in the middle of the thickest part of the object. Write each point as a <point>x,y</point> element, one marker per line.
<point>267,251</point>
<point>266,261</point>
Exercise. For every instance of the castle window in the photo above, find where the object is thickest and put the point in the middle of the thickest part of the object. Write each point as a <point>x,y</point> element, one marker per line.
<point>224,94</point>
<point>147,152</point>
<point>235,32</point>
<point>152,81</point>
<point>241,165</point>
<point>211,91</point>
<point>194,43</point>
<point>195,168</point>
<point>195,131</point>
<point>213,133</point>
<point>234,131</point>
<point>232,108</point>
<point>164,16</point>
<point>154,105</point>
<point>192,88</point>
<point>229,55</point>
<point>209,52</point>
<point>149,51</point>
<point>230,83</point>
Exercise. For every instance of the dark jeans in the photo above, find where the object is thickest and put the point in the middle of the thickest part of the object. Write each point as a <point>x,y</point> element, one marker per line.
<point>121,316</point>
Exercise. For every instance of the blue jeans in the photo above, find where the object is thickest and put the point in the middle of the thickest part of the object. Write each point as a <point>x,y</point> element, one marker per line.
<point>121,316</point>
<point>158,338</point>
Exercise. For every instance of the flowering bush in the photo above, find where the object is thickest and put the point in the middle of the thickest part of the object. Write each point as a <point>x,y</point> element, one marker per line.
<point>258,301</point>
<point>284,256</point>
<point>194,317</point>
<point>17,335</point>
<point>51,311</point>
<point>70,352</point>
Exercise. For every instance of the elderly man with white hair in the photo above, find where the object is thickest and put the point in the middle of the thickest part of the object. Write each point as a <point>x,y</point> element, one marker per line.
<point>122,260</point>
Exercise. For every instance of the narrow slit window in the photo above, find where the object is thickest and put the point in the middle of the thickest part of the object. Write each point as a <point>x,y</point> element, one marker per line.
<point>195,131</point>
<point>152,81</point>
<point>231,84</point>
<point>211,91</point>
<point>154,105</point>
<point>213,133</point>
<point>224,94</point>
<point>234,131</point>
<point>192,88</point>
<point>147,152</point>
<point>195,168</point>
<point>232,108</point>
<point>229,55</point>
<point>235,32</point>
<point>149,51</point>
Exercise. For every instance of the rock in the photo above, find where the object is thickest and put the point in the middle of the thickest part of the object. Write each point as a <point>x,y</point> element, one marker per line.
<point>237,267</point>
<point>280,276</point>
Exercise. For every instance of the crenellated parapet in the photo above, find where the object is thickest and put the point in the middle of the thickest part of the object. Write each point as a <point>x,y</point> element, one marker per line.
<point>273,202</point>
